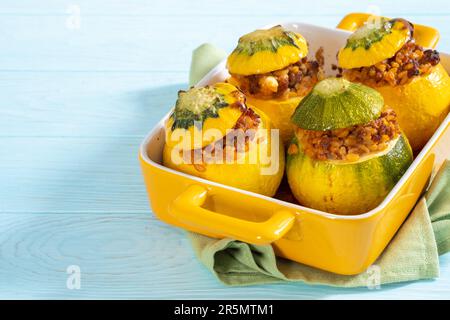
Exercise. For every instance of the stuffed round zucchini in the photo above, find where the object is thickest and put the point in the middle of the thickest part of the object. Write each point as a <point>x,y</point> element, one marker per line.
<point>214,135</point>
<point>347,153</point>
<point>271,68</point>
<point>410,78</point>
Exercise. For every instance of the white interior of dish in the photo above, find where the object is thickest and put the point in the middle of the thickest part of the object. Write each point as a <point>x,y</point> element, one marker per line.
<point>331,40</point>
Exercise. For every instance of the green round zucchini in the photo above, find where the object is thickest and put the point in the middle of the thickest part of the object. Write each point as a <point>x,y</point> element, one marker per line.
<point>344,187</point>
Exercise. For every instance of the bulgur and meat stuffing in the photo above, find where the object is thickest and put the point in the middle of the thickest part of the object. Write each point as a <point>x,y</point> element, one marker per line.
<point>349,143</point>
<point>246,125</point>
<point>296,79</point>
<point>410,61</point>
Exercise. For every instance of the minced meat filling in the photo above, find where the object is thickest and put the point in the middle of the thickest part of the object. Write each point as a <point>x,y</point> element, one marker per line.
<point>410,61</point>
<point>348,143</point>
<point>295,80</point>
<point>249,120</point>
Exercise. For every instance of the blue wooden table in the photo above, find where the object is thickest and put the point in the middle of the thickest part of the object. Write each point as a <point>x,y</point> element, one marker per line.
<point>81,83</point>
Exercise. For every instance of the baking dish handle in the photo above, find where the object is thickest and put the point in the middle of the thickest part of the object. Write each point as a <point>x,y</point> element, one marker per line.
<point>187,208</point>
<point>425,36</point>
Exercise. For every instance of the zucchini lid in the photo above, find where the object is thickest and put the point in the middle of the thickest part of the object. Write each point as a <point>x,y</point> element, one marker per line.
<point>374,42</point>
<point>336,103</point>
<point>198,110</point>
<point>263,51</point>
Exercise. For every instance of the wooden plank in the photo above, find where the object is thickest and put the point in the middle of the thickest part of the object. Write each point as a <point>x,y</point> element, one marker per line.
<point>248,8</point>
<point>70,174</point>
<point>159,43</point>
<point>136,256</point>
<point>104,43</point>
<point>83,104</point>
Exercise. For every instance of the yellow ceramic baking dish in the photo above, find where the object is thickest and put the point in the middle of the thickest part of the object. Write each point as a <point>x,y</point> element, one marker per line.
<point>336,243</point>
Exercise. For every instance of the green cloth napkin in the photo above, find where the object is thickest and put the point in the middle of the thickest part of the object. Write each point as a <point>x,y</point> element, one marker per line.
<point>204,58</point>
<point>411,255</point>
